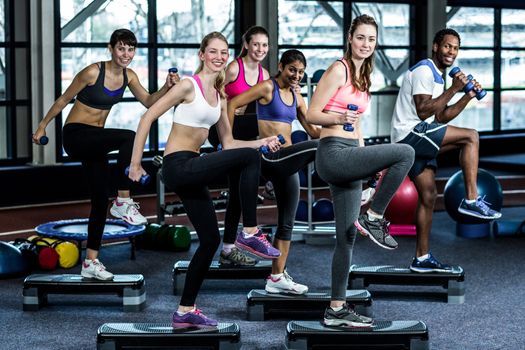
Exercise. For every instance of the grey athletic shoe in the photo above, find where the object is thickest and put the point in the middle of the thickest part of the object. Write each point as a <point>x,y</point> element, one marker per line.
<point>346,317</point>
<point>236,258</point>
<point>480,209</point>
<point>376,230</point>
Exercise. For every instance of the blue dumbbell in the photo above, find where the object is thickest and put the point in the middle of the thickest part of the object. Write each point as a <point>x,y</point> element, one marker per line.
<point>173,70</point>
<point>266,149</point>
<point>144,179</point>
<point>469,86</point>
<point>372,183</point>
<point>43,140</point>
<point>349,127</point>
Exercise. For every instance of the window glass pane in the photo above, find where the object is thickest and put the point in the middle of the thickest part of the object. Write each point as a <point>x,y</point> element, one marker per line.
<point>77,58</point>
<point>23,127</point>
<point>393,21</point>
<point>188,21</point>
<point>512,28</point>
<point>512,110</point>
<point>478,63</point>
<point>477,115</point>
<point>512,68</point>
<point>474,25</point>
<point>2,74</point>
<point>390,65</point>
<point>2,17</point>
<point>310,22</point>
<point>3,133</point>
<point>110,15</point>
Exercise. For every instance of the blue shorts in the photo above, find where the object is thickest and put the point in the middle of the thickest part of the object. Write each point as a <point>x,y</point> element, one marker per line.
<point>426,139</point>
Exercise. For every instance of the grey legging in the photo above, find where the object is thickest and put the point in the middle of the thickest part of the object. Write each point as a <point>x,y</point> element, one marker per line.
<point>343,164</point>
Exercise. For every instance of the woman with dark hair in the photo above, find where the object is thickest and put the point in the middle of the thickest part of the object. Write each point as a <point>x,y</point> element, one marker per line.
<point>343,161</point>
<point>278,105</point>
<point>97,88</point>
<point>201,102</point>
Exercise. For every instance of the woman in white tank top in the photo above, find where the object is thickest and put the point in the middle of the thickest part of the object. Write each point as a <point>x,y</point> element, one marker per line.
<point>201,102</point>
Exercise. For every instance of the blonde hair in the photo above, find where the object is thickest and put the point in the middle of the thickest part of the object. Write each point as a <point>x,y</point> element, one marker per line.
<point>221,78</point>
<point>364,82</point>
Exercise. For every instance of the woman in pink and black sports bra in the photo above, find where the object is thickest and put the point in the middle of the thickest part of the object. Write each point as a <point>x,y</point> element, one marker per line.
<point>241,74</point>
<point>343,161</point>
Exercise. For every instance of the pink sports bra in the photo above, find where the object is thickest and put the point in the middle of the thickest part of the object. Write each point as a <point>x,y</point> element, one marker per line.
<point>239,85</point>
<point>348,94</point>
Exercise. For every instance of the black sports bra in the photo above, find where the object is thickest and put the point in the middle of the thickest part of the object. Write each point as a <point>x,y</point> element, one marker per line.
<point>98,96</point>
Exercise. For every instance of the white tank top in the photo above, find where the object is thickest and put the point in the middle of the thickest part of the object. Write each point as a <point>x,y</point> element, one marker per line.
<point>198,113</point>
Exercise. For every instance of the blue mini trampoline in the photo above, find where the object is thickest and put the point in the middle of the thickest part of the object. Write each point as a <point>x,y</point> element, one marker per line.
<point>76,230</point>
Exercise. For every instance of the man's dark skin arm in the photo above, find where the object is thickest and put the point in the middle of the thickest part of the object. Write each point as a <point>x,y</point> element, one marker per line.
<point>426,106</point>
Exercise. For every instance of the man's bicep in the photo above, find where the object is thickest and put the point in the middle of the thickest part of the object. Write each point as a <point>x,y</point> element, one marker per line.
<point>420,100</point>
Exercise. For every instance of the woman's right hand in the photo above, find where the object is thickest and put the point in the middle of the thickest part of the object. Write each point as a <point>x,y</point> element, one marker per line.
<point>349,117</point>
<point>38,134</point>
<point>136,172</point>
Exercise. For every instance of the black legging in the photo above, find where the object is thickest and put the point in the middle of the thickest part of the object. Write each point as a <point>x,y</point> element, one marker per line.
<point>91,145</point>
<point>281,168</point>
<point>188,174</point>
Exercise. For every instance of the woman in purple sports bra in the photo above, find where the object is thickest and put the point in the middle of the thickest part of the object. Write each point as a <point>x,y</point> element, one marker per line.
<point>201,103</point>
<point>278,105</point>
<point>97,88</point>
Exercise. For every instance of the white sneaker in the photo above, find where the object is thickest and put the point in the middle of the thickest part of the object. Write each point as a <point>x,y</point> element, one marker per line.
<point>128,211</point>
<point>95,269</point>
<point>284,284</point>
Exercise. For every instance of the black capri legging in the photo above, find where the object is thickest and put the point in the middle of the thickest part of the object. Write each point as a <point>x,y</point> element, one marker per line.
<point>281,168</point>
<point>188,174</point>
<point>91,145</point>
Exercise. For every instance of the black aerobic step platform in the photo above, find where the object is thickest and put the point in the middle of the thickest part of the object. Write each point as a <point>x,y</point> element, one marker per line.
<point>261,270</point>
<point>361,276</point>
<point>113,336</point>
<point>132,289</point>
<point>261,305</point>
<point>303,335</point>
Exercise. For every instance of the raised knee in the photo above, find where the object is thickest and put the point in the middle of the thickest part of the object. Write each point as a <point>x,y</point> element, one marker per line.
<point>428,198</point>
<point>473,136</point>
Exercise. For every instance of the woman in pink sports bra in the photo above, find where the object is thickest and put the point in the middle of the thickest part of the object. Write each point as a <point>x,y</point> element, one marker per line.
<point>343,162</point>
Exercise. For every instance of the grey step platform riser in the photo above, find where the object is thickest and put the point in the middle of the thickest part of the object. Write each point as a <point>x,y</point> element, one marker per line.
<point>131,288</point>
<point>258,272</point>
<point>113,336</point>
<point>262,305</point>
<point>303,335</point>
<point>453,283</point>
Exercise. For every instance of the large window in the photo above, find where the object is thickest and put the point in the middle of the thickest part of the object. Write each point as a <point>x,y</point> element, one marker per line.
<point>14,82</point>
<point>86,27</point>
<point>493,51</point>
<point>317,28</point>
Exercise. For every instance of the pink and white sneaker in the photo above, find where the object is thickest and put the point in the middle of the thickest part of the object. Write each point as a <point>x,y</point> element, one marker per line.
<point>128,211</point>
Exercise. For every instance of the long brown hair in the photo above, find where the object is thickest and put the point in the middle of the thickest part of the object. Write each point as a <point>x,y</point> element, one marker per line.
<point>221,78</point>
<point>364,82</point>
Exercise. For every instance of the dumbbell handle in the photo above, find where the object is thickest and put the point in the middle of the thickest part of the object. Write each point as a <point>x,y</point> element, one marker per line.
<point>469,86</point>
<point>352,107</point>
<point>265,149</point>
<point>144,179</point>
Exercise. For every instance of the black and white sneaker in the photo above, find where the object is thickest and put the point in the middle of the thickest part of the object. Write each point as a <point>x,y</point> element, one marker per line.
<point>346,317</point>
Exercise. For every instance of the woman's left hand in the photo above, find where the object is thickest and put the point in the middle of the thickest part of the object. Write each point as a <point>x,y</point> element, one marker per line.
<point>136,172</point>
<point>272,142</point>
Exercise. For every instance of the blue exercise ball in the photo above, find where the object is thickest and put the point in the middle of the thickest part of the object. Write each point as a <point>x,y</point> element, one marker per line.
<point>299,136</point>
<point>302,211</point>
<point>323,210</point>
<point>12,262</point>
<point>488,188</point>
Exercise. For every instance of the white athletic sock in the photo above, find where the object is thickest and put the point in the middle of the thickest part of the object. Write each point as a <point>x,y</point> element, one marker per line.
<point>124,200</point>
<point>470,201</point>
<point>422,257</point>
<point>227,247</point>
<point>276,276</point>
<point>336,308</point>
<point>373,216</point>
